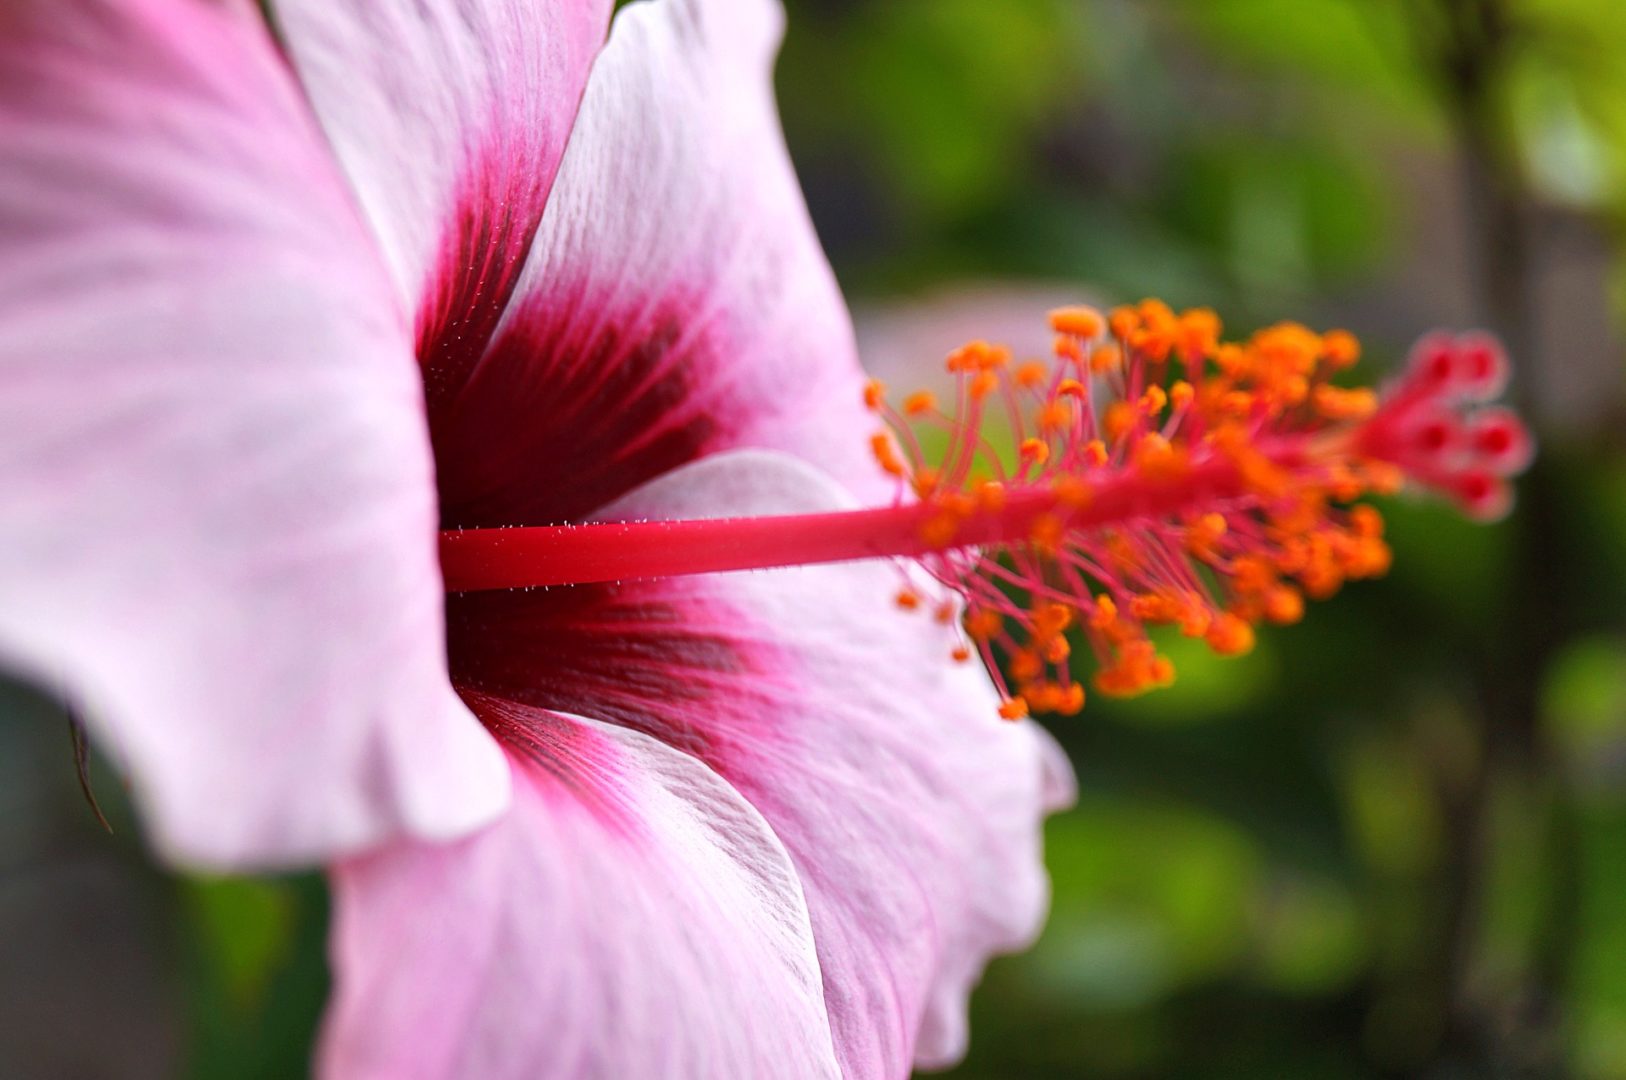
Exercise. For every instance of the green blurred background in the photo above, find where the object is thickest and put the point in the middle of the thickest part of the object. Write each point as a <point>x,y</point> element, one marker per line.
<point>1392,841</point>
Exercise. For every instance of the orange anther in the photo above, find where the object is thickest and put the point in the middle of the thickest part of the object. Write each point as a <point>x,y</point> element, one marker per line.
<point>1198,333</point>
<point>1337,404</point>
<point>983,384</point>
<point>907,599</point>
<point>993,357</point>
<point>1052,618</point>
<point>1153,344</point>
<point>944,612</point>
<point>1071,492</point>
<point>1095,452</point>
<point>1056,650</point>
<point>1156,314</point>
<point>1153,400</point>
<point>983,624</point>
<point>1181,394</point>
<point>1344,484</point>
<point>1371,558</point>
<point>1032,375</point>
<point>920,403</point>
<point>1068,348</point>
<point>1229,635</point>
<point>1013,709</point>
<point>1204,533</point>
<point>1286,348</point>
<point>1384,478</point>
<point>874,393</point>
<point>1070,388</point>
<point>1084,322</point>
<point>1055,415</point>
<point>1043,697</point>
<point>1034,452</point>
<point>886,453</point>
<point>1195,619</point>
<point>1025,666</point>
<point>1119,420</point>
<point>1366,521</point>
<point>939,530</point>
<point>1106,359</point>
<point>991,496</point>
<point>1340,348</point>
<point>1105,613</point>
<point>978,356</point>
<point>1257,471</point>
<point>1152,608</point>
<point>1251,575</point>
<point>1158,459</point>
<point>924,482</point>
<point>1072,700</point>
<point>1047,533</point>
<point>960,654</point>
<point>1232,360</point>
<point>1123,321</point>
<point>1284,605</point>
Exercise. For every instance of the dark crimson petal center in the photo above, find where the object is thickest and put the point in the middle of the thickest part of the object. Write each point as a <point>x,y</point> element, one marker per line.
<point>579,399</point>
<point>662,658</point>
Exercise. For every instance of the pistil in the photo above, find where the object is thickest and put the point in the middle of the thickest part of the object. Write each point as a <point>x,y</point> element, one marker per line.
<point>1156,476</point>
<point>475,560</point>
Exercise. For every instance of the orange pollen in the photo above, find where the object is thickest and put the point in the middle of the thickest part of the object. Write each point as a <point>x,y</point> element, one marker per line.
<point>1013,709</point>
<point>1106,359</point>
<point>920,403</point>
<point>1032,375</point>
<point>1078,322</point>
<point>1163,477</point>
<point>991,496</point>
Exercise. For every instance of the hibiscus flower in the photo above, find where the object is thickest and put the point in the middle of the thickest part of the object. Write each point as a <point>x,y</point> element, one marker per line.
<point>276,311</point>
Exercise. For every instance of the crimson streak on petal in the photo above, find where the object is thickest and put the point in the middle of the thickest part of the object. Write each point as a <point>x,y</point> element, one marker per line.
<point>482,253</point>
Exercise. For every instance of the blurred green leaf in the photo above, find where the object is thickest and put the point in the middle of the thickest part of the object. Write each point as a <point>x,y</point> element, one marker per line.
<point>942,95</point>
<point>256,974</point>
<point>1148,898</point>
<point>245,926</point>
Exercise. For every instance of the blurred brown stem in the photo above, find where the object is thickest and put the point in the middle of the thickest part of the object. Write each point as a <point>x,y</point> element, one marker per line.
<point>1470,47</point>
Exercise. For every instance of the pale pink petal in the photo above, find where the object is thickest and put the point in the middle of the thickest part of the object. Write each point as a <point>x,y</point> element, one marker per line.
<point>631,916</point>
<point>911,811</point>
<point>217,529</point>
<point>450,117</point>
<point>676,302</point>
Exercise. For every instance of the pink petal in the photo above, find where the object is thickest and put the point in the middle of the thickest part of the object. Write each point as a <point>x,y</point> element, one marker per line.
<point>631,916</point>
<point>676,302</point>
<point>911,812</point>
<point>216,513</point>
<point>450,117</point>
